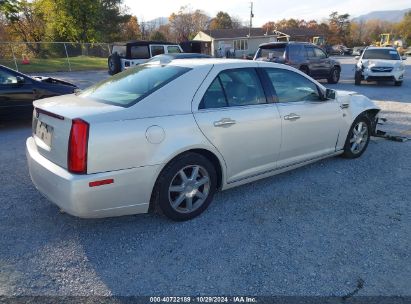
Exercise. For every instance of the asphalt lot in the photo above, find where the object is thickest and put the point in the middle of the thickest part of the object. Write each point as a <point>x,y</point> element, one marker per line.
<point>318,230</point>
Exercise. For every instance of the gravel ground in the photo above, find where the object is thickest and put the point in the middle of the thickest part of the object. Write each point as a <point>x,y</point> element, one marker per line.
<point>318,230</point>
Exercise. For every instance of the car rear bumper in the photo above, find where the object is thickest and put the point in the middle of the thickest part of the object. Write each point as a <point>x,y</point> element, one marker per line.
<point>129,193</point>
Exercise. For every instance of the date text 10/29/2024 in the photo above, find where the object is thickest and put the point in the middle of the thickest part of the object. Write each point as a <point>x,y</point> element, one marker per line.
<point>203,299</point>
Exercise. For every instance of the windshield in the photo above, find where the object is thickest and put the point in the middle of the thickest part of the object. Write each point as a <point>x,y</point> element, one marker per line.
<point>134,84</point>
<point>387,54</point>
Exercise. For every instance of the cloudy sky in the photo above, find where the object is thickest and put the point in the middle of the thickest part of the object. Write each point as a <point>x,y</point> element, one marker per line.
<point>264,10</point>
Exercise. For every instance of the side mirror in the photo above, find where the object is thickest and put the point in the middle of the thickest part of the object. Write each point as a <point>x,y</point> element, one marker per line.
<point>20,80</point>
<point>357,57</point>
<point>404,57</point>
<point>329,94</point>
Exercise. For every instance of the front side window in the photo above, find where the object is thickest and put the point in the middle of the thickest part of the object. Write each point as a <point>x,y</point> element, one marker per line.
<point>129,87</point>
<point>139,52</point>
<point>7,78</point>
<point>319,53</point>
<point>387,54</point>
<point>292,87</point>
<point>157,50</point>
<point>237,87</point>
<point>173,49</point>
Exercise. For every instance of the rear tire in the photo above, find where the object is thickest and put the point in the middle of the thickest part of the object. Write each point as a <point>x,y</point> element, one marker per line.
<point>185,187</point>
<point>358,138</point>
<point>334,76</point>
<point>357,78</point>
<point>114,64</point>
<point>398,83</point>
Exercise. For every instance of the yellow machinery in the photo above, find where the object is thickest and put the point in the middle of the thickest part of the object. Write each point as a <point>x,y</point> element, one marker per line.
<point>387,40</point>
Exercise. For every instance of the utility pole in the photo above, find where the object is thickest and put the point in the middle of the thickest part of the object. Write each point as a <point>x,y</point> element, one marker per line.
<point>251,18</point>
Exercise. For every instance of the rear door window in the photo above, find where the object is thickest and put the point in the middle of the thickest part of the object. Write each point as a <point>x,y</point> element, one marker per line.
<point>310,52</point>
<point>156,50</point>
<point>296,52</point>
<point>236,87</point>
<point>139,52</point>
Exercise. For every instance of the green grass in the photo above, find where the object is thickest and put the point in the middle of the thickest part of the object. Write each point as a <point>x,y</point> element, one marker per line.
<point>80,63</point>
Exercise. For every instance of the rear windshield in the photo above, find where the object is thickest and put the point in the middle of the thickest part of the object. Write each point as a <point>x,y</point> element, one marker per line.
<point>271,52</point>
<point>132,85</point>
<point>386,54</point>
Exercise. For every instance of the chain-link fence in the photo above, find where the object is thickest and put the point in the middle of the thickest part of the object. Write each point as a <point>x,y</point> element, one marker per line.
<point>28,57</point>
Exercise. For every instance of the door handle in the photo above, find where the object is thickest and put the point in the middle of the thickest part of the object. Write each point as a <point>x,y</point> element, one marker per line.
<point>292,116</point>
<point>224,122</point>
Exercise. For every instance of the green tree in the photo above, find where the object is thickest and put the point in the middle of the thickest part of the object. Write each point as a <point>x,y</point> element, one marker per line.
<point>221,21</point>
<point>404,27</point>
<point>339,26</point>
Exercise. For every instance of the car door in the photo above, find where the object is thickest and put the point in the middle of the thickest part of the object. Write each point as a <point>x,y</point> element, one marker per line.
<point>236,118</point>
<point>324,63</point>
<point>313,61</point>
<point>310,125</point>
<point>16,93</point>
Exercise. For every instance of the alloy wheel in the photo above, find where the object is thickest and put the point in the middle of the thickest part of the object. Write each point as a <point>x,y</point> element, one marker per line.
<point>359,137</point>
<point>189,189</point>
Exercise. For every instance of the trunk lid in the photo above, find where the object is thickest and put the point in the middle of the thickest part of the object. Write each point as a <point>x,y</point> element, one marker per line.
<point>52,121</point>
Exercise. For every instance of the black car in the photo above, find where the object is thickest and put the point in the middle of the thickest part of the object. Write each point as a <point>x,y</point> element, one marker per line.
<point>304,56</point>
<point>18,91</point>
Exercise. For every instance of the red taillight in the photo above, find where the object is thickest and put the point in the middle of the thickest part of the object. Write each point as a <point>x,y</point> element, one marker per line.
<point>77,149</point>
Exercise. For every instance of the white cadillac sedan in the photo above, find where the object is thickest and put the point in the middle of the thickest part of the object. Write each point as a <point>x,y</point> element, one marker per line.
<point>166,137</point>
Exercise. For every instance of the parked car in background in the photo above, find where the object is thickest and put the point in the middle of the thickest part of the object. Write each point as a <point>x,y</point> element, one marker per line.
<point>128,54</point>
<point>338,49</point>
<point>172,56</point>
<point>357,50</point>
<point>18,91</point>
<point>380,64</point>
<point>168,136</point>
<point>303,56</point>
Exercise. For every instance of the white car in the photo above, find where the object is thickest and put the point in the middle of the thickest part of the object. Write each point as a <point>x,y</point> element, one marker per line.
<point>168,136</point>
<point>380,64</point>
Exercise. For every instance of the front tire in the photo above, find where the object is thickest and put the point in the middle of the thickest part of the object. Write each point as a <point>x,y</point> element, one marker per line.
<point>305,70</point>
<point>334,75</point>
<point>358,138</point>
<point>185,187</point>
<point>357,78</point>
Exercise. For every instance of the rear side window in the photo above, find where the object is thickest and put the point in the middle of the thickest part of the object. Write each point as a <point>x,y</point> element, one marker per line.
<point>129,87</point>
<point>292,87</point>
<point>237,87</point>
<point>157,50</point>
<point>296,52</point>
<point>139,52</point>
<point>120,50</point>
<point>173,49</point>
